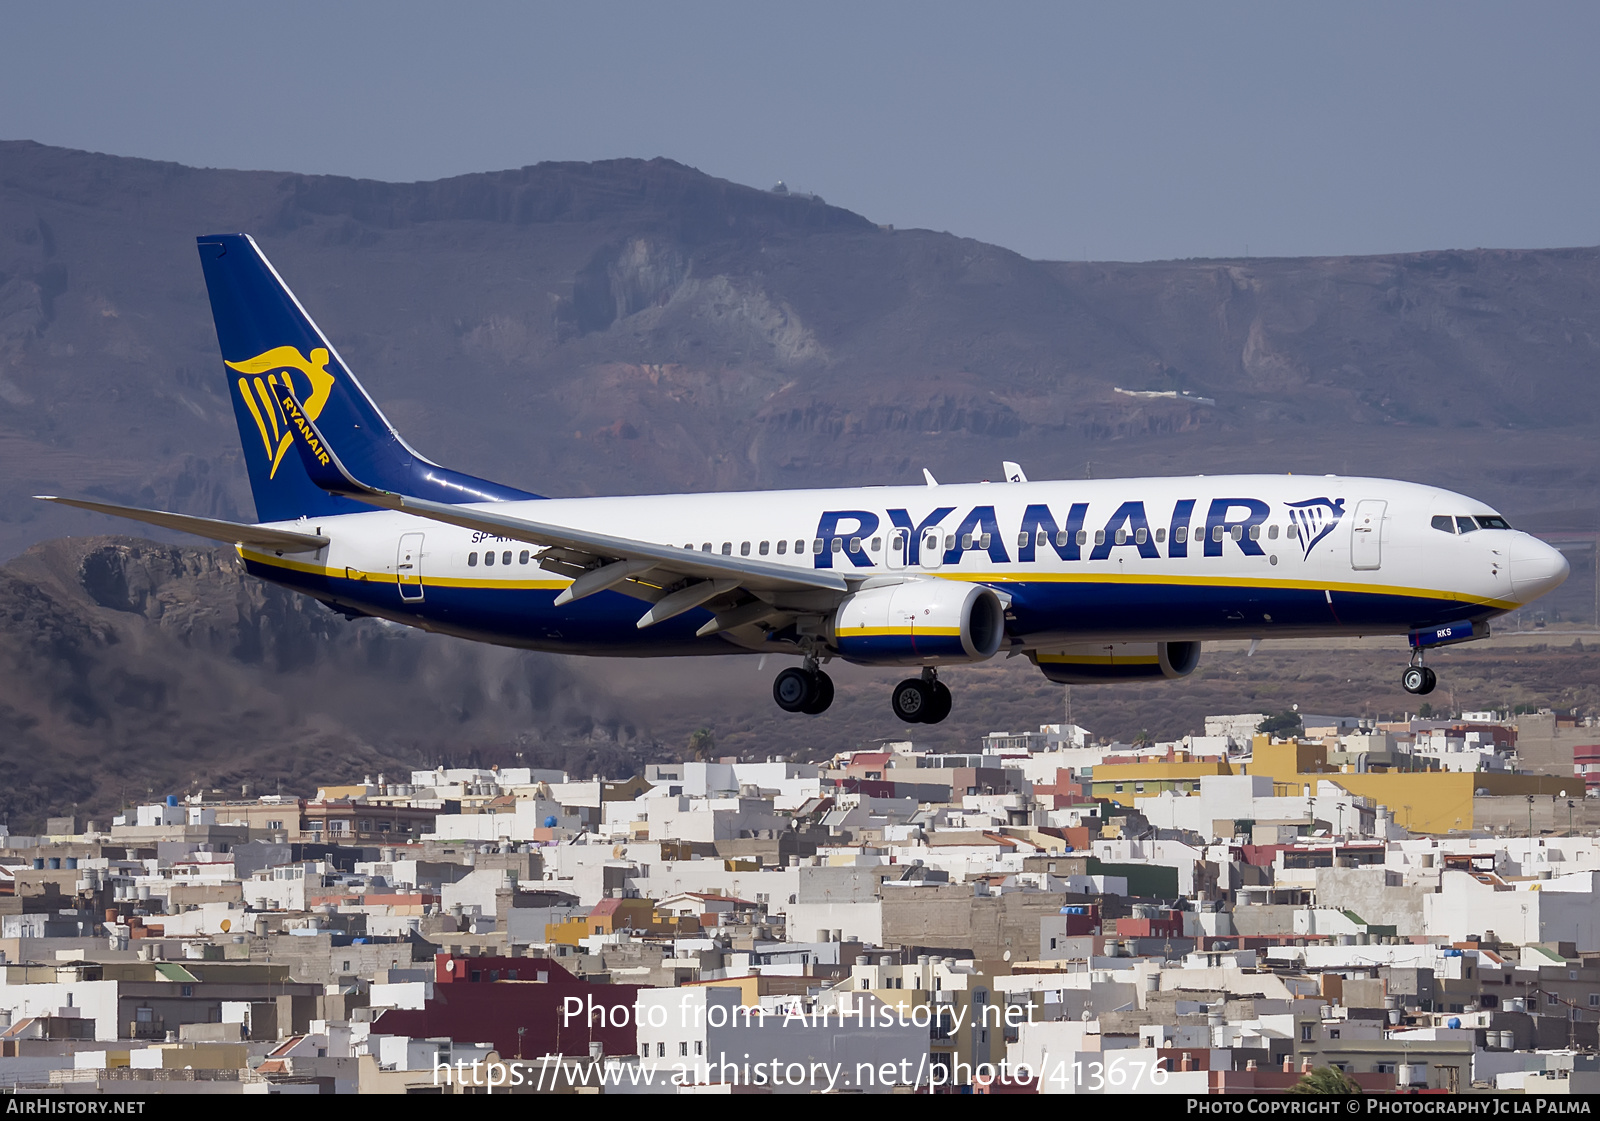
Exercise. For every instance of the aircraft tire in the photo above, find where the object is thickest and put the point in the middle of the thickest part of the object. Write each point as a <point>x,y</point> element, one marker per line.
<point>1415,680</point>
<point>1430,679</point>
<point>794,689</point>
<point>940,706</point>
<point>822,694</point>
<point>911,700</point>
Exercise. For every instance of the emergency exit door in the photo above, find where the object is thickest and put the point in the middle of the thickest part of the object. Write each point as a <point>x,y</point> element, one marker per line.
<point>408,567</point>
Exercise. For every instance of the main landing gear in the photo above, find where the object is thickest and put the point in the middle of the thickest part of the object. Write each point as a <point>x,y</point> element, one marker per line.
<point>1418,678</point>
<point>921,700</point>
<point>803,689</point>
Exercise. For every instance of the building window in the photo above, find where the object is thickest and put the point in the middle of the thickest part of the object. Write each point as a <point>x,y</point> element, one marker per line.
<point>683,1047</point>
<point>1305,1033</point>
<point>661,1050</point>
<point>699,1047</point>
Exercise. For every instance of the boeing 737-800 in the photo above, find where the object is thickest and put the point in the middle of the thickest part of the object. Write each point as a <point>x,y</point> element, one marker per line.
<point>1094,581</point>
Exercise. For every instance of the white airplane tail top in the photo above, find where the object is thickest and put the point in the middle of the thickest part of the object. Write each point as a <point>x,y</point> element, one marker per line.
<point>1094,581</point>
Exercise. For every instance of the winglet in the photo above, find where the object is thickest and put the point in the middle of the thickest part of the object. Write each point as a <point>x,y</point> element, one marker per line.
<point>317,455</point>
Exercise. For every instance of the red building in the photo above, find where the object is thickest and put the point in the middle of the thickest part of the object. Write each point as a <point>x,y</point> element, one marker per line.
<point>524,1007</point>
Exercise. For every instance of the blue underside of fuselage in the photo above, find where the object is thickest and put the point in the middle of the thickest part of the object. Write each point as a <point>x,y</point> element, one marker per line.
<point>605,624</point>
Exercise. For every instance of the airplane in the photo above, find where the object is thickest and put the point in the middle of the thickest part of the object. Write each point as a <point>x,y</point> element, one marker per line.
<point>1094,581</point>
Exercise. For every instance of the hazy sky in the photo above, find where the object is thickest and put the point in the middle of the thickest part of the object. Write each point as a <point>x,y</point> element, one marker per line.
<point>1114,131</point>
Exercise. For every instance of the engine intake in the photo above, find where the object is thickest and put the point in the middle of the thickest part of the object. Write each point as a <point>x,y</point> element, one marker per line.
<point>919,622</point>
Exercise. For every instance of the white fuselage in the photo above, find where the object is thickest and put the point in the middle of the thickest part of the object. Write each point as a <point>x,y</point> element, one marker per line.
<point>1076,561</point>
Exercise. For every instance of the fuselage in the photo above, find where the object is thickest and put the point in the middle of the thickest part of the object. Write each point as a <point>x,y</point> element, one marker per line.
<point>1115,560</point>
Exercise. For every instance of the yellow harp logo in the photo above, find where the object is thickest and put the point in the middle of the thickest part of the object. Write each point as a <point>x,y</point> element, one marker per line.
<point>270,421</point>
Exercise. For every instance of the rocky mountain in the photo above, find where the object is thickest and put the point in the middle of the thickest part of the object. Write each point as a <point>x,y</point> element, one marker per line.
<point>634,326</point>
<point>637,326</point>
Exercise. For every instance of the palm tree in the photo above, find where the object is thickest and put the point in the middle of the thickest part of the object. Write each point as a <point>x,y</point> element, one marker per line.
<point>1325,1080</point>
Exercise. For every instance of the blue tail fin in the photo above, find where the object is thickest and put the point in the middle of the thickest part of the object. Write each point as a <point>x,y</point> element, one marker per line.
<point>267,337</point>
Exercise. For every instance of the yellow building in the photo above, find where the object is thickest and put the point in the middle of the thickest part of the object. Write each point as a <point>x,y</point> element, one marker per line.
<point>1421,801</point>
<point>1125,782</point>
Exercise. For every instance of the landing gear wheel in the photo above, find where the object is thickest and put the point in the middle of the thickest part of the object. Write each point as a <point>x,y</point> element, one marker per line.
<point>794,689</point>
<point>939,707</point>
<point>1419,680</point>
<point>911,700</point>
<point>822,694</point>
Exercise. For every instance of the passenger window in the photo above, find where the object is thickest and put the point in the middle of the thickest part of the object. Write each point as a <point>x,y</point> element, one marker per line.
<point>1140,536</point>
<point>744,548</point>
<point>706,548</point>
<point>505,557</point>
<point>949,542</point>
<point>966,540</point>
<point>855,544</point>
<point>816,545</point>
<point>727,548</point>
<point>1291,531</point>
<point>836,545</point>
<point>1216,533</point>
<point>877,543</point>
<point>763,549</point>
<point>1161,535</point>
<point>1465,525</point>
<point>1181,534</point>
<point>800,547</point>
<point>488,558</point>
<point>1444,523</point>
<point>522,558</point>
<point>1022,539</point>
<point>1255,533</point>
<point>1237,532</point>
<point>983,542</point>
<point>472,560</point>
<point>1099,537</point>
<point>1272,533</point>
<point>783,547</point>
<point>1121,537</point>
<point>1062,538</point>
<point>1083,536</point>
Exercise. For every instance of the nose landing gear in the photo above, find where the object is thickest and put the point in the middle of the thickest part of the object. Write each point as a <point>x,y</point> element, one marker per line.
<point>921,700</point>
<point>803,689</point>
<point>1418,678</point>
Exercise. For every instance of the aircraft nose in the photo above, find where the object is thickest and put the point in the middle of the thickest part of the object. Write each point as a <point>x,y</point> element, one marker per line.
<point>1536,568</point>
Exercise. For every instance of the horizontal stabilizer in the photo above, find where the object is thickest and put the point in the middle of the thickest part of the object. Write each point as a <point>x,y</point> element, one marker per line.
<point>232,533</point>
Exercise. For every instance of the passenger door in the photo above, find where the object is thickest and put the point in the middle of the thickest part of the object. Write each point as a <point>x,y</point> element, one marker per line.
<point>1366,534</point>
<point>408,567</point>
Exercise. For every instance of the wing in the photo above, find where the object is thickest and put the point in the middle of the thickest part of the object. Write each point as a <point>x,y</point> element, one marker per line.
<point>741,591</point>
<point>233,533</point>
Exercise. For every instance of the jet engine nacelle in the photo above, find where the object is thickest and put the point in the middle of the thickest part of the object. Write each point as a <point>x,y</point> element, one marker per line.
<point>1123,661</point>
<point>919,622</point>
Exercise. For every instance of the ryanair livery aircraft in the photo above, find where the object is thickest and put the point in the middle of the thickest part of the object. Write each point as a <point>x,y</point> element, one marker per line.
<point>1100,581</point>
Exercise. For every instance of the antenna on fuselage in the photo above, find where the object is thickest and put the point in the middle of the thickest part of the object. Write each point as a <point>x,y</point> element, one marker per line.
<point>926,474</point>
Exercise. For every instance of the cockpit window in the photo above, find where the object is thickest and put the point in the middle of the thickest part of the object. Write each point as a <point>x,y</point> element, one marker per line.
<point>1444,522</point>
<point>1465,524</point>
<point>1492,521</point>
